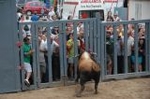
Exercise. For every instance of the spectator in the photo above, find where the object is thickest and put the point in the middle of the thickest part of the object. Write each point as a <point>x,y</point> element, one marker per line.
<point>141,32</point>
<point>81,41</point>
<point>80,26</point>
<point>27,27</point>
<point>41,61</point>
<point>22,18</point>
<point>130,44</point>
<point>19,14</point>
<point>51,13</point>
<point>55,53</point>
<point>70,24</point>
<point>27,59</point>
<point>55,58</point>
<point>140,58</point>
<point>109,50</point>
<point>120,30</point>
<point>34,17</point>
<point>120,53</point>
<point>141,46</point>
<point>109,17</point>
<point>44,49</point>
<point>70,52</point>
<point>68,31</point>
<point>116,17</point>
<point>54,18</point>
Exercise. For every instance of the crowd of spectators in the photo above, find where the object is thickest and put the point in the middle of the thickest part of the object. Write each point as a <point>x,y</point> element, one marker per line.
<point>54,41</point>
<point>43,46</point>
<point>120,44</point>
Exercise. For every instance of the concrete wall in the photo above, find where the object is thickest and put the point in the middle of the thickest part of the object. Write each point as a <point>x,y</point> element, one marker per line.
<point>9,73</point>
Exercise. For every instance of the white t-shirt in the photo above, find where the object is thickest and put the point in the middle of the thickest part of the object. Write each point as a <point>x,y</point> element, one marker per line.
<point>27,32</point>
<point>44,47</point>
<point>130,43</point>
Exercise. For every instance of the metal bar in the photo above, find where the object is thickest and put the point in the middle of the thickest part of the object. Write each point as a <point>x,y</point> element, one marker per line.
<point>136,49</point>
<point>98,34</point>
<point>148,31</point>
<point>125,48</point>
<point>33,33</point>
<point>63,54</point>
<point>95,41</point>
<point>115,49</point>
<point>146,46</point>
<point>21,57</point>
<point>103,51</point>
<point>126,22</point>
<point>86,35</point>
<point>49,53</point>
<point>37,57</point>
<point>91,35</point>
<point>61,31</point>
<point>75,47</point>
<point>128,75</point>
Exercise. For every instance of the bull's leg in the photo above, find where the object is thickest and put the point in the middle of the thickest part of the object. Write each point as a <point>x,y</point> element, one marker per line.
<point>96,79</point>
<point>81,90</point>
<point>82,83</point>
<point>96,87</point>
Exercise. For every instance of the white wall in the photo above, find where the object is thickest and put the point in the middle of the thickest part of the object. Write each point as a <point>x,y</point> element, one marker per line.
<point>139,9</point>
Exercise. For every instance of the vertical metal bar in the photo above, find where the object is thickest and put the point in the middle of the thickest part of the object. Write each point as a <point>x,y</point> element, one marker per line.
<point>18,61</point>
<point>136,49</point>
<point>21,56</point>
<point>103,50</point>
<point>63,52</point>
<point>33,38</point>
<point>95,41</point>
<point>91,35</point>
<point>147,37</point>
<point>86,35</point>
<point>61,41</point>
<point>125,48</point>
<point>37,57</point>
<point>115,49</point>
<point>75,47</point>
<point>49,53</point>
<point>99,44</point>
<point>148,66</point>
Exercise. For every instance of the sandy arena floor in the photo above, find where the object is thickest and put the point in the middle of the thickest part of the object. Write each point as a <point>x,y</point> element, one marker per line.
<point>121,89</point>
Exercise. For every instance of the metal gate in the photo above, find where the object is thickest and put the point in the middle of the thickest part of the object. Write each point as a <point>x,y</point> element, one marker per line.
<point>132,61</point>
<point>95,38</point>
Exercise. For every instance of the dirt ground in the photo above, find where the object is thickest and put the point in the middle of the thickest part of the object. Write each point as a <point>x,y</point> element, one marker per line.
<point>119,89</point>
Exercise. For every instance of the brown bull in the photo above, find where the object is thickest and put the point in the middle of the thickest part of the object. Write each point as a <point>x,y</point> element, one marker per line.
<point>88,70</point>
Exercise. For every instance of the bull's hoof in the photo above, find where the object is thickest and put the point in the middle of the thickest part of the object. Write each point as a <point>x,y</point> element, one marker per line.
<point>78,95</point>
<point>96,92</point>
